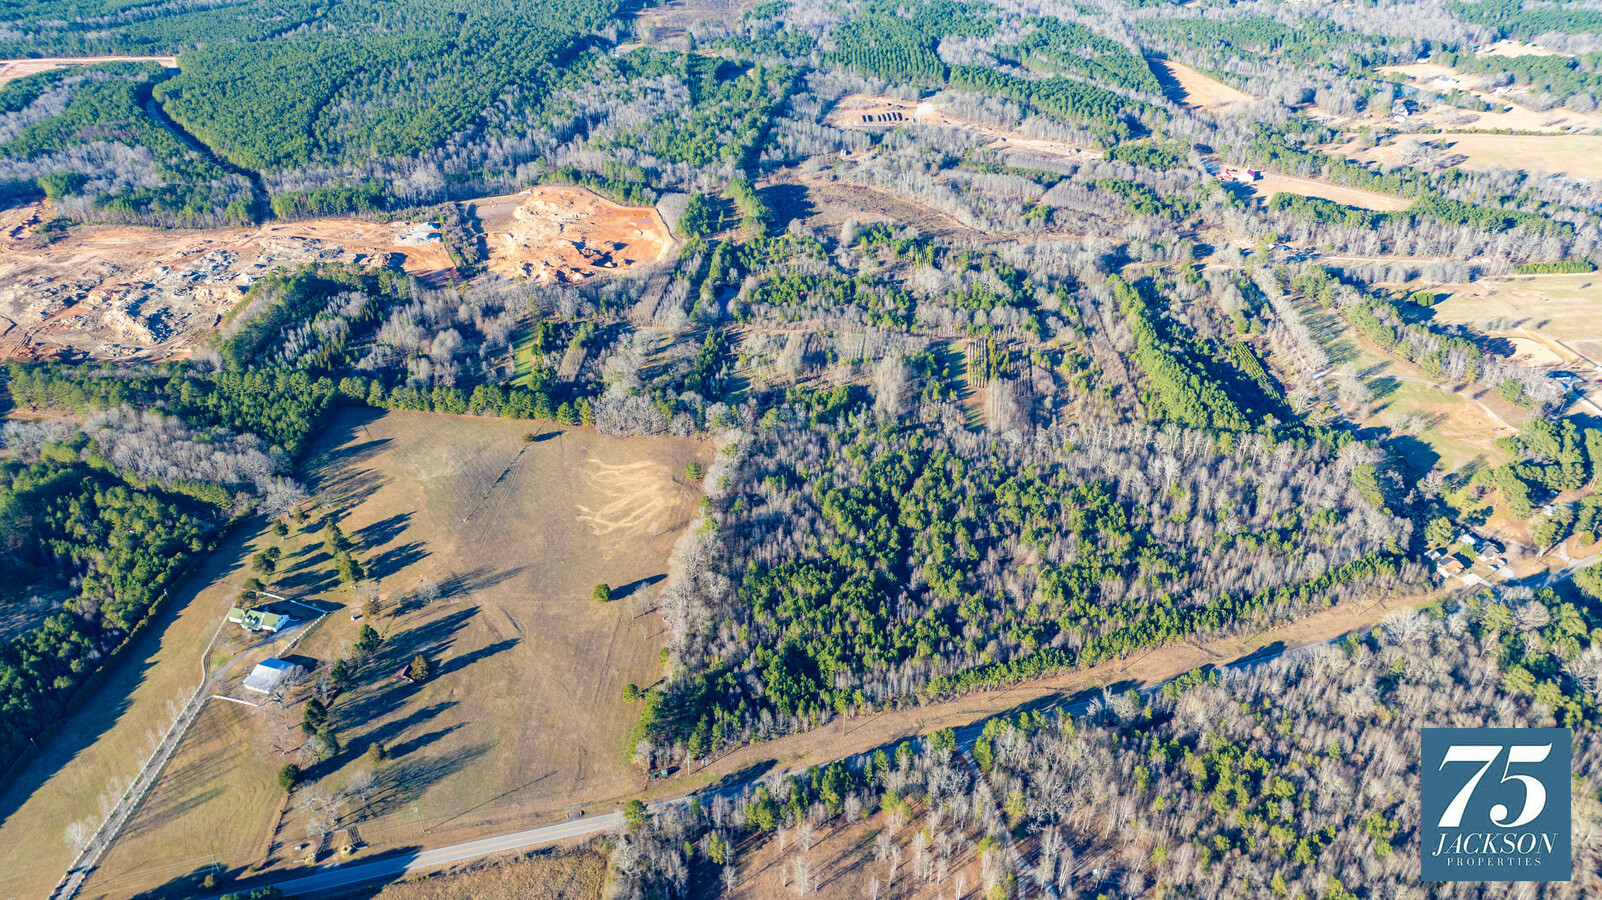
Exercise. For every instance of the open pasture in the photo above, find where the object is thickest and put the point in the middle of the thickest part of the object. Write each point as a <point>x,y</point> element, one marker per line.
<point>485,548</point>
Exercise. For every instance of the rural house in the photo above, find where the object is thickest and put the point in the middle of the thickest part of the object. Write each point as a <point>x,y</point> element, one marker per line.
<point>260,620</point>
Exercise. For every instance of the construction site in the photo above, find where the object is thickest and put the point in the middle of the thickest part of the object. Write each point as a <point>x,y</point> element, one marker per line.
<point>132,293</point>
<point>566,235</point>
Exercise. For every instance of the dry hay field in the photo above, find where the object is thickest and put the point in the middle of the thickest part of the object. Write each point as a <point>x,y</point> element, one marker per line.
<point>122,292</point>
<point>871,112</point>
<point>556,233</point>
<point>1562,313</point>
<point>1514,48</point>
<point>574,875</point>
<point>1574,155</point>
<point>524,716</point>
<point>1271,184</point>
<point>1200,91</point>
<point>12,69</point>
<point>100,748</point>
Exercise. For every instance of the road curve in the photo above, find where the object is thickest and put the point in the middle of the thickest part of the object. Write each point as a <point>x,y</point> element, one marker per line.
<point>336,876</point>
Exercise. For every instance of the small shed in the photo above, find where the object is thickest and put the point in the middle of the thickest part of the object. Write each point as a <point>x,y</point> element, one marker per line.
<point>268,674</point>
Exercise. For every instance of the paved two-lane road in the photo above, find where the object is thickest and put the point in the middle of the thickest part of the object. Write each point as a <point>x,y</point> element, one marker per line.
<point>337,876</point>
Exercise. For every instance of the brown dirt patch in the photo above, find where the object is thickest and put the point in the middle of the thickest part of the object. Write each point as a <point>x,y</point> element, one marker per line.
<point>12,69</point>
<point>119,292</point>
<point>872,112</point>
<point>555,233</point>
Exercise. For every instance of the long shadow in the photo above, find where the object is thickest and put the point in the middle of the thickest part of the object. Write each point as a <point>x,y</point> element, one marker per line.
<point>628,590</point>
<point>380,697</point>
<point>383,531</point>
<point>477,580</point>
<point>313,574</point>
<point>347,484</point>
<point>192,884</point>
<point>395,559</point>
<point>408,747</point>
<point>386,732</point>
<point>1169,84</point>
<point>749,773</point>
<point>1418,456</point>
<point>143,825</point>
<point>788,201</point>
<point>456,664</point>
<point>404,781</point>
<point>1264,651</point>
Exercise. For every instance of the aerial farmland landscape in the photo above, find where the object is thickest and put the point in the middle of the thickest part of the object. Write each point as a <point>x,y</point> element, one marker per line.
<point>892,449</point>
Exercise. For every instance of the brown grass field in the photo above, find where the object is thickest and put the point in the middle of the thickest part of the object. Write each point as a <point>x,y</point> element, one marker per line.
<point>575,875</point>
<point>1560,311</point>
<point>12,69</point>
<point>1270,184</point>
<point>1203,91</point>
<point>1575,155</point>
<point>524,715</point>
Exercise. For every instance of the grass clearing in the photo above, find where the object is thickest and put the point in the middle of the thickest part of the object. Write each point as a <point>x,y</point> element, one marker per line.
<point>575,875</point>
<point>1271,184</point>
<point>1574,155</point>
<point>1200,91</point>
<point>1560,311</point>
<point>524,714</point>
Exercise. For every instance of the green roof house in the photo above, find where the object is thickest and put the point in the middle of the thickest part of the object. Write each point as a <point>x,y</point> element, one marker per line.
<point>259,619</point>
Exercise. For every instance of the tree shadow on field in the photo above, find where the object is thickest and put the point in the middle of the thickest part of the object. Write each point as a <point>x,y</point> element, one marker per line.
<point>743,776</point>
<point>481,578</point>
<point>433,635</point>
<point>388,731</point>
<point>1418,456</point>
<point>1265,652</point>
<point>403,781</point>
<point>312,575</point>
<point>395,559</point>
<point>788,201</point>
<point>379,533</point>
<point>412,745</point>
<point>350,483</point>
<point>458,663</point>
<point>190,885</point>
<point>633,587</point>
